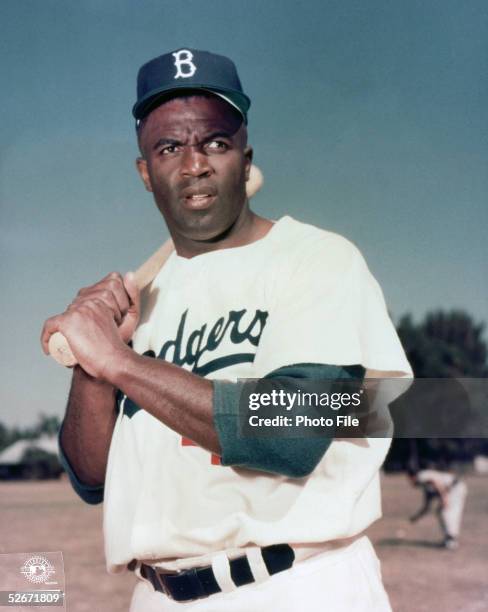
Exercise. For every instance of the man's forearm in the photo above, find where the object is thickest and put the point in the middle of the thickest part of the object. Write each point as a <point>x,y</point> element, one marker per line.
<point>88,426</point>
<point>179,399</point>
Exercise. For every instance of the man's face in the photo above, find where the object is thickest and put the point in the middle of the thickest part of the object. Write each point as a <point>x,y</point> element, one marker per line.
<point>196,162</point>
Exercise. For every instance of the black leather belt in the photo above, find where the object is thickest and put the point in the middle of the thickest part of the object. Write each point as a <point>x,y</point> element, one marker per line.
<point>200,582</point>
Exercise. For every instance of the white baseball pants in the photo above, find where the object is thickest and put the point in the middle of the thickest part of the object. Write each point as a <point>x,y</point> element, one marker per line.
<point>342,580</point>
<point>451,515</point>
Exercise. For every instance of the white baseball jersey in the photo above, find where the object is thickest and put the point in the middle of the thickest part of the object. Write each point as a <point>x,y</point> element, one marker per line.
<point>298,295</point>
<point>443,480</point>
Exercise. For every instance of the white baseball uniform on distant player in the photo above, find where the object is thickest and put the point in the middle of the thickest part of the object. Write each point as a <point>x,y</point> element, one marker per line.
<point>451,513</point>
<point>298,295</point>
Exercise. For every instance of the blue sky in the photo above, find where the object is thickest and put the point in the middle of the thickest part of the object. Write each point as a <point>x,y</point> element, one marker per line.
<point>368,118</point>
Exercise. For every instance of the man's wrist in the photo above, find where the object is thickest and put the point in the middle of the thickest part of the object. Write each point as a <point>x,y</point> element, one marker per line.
<point>120,364</point>
<point>80,376</point>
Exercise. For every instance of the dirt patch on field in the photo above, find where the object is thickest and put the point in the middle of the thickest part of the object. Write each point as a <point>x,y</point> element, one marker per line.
<point>419,576</point>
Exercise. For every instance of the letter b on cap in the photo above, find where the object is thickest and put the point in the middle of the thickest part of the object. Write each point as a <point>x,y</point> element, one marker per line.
<point>185,68</point>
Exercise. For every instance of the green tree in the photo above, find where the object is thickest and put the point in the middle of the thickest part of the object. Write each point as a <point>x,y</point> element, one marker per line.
<point>48,425</point>
<point>445,345</point>
<point>442,345</point>
<point>4,436</point>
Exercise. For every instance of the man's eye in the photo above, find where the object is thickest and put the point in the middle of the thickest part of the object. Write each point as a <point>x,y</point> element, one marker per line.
<point>168,150</point>
<point>217,145</point>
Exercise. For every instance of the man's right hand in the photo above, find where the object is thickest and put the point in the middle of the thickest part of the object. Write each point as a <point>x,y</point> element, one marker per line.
<point>120,295</point>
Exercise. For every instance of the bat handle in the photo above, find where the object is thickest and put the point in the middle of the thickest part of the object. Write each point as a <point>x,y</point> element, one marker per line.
<point>60,351</point>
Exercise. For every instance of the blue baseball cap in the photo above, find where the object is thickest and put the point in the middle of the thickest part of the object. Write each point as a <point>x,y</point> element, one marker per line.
<point>187,70</point>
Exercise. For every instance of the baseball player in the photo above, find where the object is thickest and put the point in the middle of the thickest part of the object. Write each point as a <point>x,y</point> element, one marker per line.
<point>210,520</point>
<point>450,491</point>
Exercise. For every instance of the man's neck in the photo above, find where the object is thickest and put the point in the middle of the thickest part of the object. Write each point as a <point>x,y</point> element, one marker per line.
<point>245,230</point>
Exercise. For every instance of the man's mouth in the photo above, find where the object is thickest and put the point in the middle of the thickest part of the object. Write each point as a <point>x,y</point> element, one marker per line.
<point>198,199</point>
<point>201,201</point>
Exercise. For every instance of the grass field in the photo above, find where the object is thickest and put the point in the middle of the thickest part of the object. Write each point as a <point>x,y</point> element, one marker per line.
<point>418,575</point>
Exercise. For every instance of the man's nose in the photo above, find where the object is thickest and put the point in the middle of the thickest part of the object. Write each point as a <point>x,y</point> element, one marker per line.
<point>194,162</point>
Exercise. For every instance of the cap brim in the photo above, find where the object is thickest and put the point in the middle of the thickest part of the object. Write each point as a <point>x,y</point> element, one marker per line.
<point>155,98</point>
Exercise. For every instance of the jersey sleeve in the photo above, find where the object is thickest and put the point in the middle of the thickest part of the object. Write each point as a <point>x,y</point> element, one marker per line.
<point>294,457</point>
<point>328,308</point>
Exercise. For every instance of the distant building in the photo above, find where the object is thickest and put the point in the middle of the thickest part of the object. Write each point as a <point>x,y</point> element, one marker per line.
<point>31,459</point>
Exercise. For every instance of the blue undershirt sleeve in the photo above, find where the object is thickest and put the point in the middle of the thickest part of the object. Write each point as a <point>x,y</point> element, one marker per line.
<point>89,494</point>
<point>293,457</point>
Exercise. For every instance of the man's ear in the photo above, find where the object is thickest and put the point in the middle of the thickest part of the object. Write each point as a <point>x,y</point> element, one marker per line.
<point>141,165</point>
<point>248,153</point>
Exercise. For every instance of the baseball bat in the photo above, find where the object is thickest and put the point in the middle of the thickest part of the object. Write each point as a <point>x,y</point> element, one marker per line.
<point>58,346</point>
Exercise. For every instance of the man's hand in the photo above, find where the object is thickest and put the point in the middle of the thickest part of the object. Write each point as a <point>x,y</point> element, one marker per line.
<point>98,323</point>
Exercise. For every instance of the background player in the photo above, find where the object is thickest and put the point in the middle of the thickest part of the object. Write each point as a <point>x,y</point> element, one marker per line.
<point>450,492</point>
